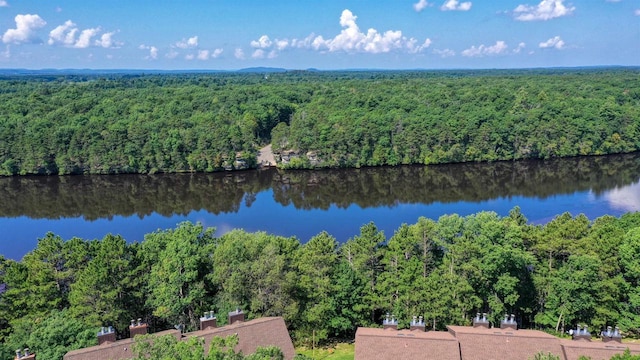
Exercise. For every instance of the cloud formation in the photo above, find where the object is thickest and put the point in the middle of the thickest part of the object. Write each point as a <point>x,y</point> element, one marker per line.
<point>554,42</point>
<point>69,35</point>
<point>239,54</point>
<point>25,31</point>
<point>420,5</point>
<point>637,12</point>
<point>455,5</point>
<point>187,43</point>
<point>546,10</point>
<point>153,51</point>
<point>350,40</point>
<point>106,41</point>
<point>3,3</point>
<point>444,53</point>
<point>500,47</point>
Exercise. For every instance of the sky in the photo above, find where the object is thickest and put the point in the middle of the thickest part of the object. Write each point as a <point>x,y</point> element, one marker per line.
<point>326,35</point>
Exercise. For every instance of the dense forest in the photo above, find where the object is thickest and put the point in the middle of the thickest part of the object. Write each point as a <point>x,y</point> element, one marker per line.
<point>552,277</point>
<point>206,122</point>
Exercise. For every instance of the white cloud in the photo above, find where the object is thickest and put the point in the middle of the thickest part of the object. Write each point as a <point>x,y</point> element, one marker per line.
<point>4,3</point>
<point>500,47</point>
<point>69,35</point>
<point>106,41</point>
<point>554,42</point>
<point>546,10</point>
<point>84,40</point>
<point>203,55</point>
<point>420,5</point>
<point>263,43</point>
<point>351,39</point>
<point>216,53</point>
<point>26,26</point>
<point>444,53</point>
<point>637,12</point>
<point>451,5</point>
<point>153,51</point>
<point>281,44</point>
<point>258,54</point>
<point>519,48</point>
<point>239,54</point>
<point>65,34</point>
<point>187,43</point>
<point>189,57</point>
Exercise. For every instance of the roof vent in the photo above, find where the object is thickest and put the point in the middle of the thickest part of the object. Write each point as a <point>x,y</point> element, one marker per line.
<point>208,321</point>
<point>581,333</point>
<point>25,354</point>
<point>612,335</point>
<point>479,321</point>
<point>509,322</point>
<point>417,323</point>
<point>390,322</point>
<point>236,316</point>
<point>138,328</point>
<point>106,335</point>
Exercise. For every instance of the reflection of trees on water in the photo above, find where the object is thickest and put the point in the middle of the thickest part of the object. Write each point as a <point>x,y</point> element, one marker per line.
<point>96,197</point>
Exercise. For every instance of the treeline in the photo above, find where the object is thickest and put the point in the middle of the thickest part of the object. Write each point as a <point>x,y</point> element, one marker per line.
<point>209,122</point>
<point>552,277</point>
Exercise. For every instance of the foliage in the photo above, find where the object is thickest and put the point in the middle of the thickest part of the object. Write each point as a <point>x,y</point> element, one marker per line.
<point>206,122</point>
<point>552,277</point>
<point>548,356</point>
<point>168,347</point>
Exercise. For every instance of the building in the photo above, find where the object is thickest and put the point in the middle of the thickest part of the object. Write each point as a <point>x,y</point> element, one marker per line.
<point>262,332</point>
<point>481,342</point>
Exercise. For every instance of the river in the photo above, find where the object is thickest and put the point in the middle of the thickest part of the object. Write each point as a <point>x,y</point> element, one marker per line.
<point>304,203</point>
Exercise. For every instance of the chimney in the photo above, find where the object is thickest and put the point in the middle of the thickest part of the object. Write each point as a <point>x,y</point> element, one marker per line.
<point>417,324</point>
<point>509,322</point>
<point>612,335</point>
<point>106,335</point>
<point>236,316</point>
<point>138,328</point>
<point>25,354</point>
<point>581,333</point>
<point>479,321</point>
<point>390,322</point>
<point>209,321</point>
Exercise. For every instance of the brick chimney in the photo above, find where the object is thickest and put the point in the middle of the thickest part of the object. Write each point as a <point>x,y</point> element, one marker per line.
<point>390,322</point>
<point>479,321</point>
<point>25,354</point>
<point>509,322</point>
<point>417,324</point>
<point>138,328</point>
<point>581,333</point>
<point>612,335</point>
<point>106,335</point>
<point>236,316</point>
<point>208,321</point>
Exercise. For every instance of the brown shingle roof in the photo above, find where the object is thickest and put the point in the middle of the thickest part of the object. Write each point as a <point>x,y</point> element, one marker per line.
<point>267,331</point>
<point>596,350</point>
<point>120,349</point>
<point>251,335</point>
<point>487,344</point>
<point>391,344</point>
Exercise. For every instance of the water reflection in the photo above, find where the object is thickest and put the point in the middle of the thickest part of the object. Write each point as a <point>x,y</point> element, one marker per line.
<point>96,197</point>
<point>303,203</point>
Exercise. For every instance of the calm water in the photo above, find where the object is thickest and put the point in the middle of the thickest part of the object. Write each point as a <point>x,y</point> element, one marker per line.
<point>303,203</point>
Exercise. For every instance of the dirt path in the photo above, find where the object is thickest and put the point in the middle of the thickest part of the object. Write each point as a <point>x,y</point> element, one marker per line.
<point>265,157</point>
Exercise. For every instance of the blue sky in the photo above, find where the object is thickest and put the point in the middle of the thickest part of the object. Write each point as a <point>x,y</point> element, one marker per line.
<point>328,34</point>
